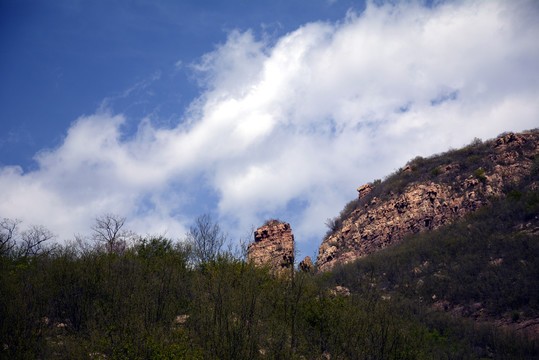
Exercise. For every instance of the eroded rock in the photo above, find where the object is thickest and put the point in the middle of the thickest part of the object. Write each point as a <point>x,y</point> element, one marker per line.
<point>428,205</point>
<point>306,265</point>
<point>273,246</point>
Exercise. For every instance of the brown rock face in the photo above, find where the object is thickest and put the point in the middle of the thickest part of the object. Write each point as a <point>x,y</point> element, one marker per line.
<point>364,190</point>
<point>273,246</point>
<point>455,190</point>
<point>306,265</point>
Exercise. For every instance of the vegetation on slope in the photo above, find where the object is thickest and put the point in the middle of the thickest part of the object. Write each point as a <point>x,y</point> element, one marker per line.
<point>126,297</point>
<point>472,160</point>
<point>487,261</point>
<point>157,299</point>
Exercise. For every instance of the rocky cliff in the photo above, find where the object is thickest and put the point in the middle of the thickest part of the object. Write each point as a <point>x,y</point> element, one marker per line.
<point>273,246</point>
<point>427,193</point>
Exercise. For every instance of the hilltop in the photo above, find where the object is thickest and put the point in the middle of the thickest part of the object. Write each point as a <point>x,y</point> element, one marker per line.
<point>430,192</point>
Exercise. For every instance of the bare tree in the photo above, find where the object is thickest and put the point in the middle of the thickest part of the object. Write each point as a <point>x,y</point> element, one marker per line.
<point>206,238</point>
<point>8,231</point>
<point>242,247</point>
<point>108,230</point>
<point>33,240</point>
<point>30,242</point>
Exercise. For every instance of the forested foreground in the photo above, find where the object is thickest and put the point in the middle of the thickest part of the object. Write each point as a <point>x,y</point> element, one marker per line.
<point>118,296</point>
<point>150,303</point>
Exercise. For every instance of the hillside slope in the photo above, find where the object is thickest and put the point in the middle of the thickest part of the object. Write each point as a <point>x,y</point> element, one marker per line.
<point>484,266</point>
<point>428,193</point>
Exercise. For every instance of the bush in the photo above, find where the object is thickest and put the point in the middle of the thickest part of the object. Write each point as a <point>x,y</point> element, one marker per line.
<point>480,174</point>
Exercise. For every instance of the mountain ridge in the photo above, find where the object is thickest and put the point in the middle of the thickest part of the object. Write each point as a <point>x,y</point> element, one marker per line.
<point>428,193</point>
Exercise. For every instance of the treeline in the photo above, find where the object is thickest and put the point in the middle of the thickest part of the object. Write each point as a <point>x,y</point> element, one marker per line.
<point>120,296</point>
<point>150,302</point>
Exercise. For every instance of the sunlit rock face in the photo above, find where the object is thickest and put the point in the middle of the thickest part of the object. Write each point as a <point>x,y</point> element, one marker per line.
<point>273,246</point>
<point>446,192</point>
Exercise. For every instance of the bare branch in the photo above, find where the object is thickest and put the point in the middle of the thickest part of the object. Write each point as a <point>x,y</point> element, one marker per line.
<point>8,230</point>
<point>108,230</point>
<point>206,238</point>
<point>33,239</point>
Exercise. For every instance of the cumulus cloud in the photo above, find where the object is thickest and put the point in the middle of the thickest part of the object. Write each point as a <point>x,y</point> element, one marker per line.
<point>290,128</point>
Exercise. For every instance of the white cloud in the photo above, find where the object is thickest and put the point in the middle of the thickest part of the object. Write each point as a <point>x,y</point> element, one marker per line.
<point>304,121</point>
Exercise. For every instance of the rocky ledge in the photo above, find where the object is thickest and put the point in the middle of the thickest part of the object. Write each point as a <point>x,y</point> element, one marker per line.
<point>452,190</point>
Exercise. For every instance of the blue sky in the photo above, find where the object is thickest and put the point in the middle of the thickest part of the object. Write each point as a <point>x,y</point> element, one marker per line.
<point>67,56</point>
<point>160,111</point>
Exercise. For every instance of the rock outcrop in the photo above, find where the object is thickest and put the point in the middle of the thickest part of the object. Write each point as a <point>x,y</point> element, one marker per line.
<point>273,246</point>
<point>448,191</point>
<point>306,265</point>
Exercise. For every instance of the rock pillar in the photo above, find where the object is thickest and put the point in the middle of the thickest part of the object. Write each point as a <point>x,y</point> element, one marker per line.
<point>273,246</point>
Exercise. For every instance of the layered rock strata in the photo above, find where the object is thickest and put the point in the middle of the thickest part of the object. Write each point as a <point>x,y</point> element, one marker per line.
<point>273,246</point>
<point>427,205</point>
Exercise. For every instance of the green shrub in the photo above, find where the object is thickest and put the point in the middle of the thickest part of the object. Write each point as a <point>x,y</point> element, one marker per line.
<point>480,174</point>
<point>514,195</point>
